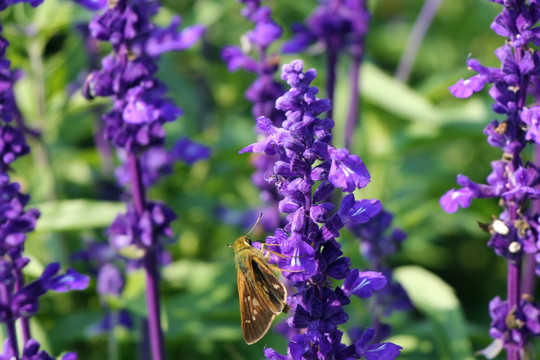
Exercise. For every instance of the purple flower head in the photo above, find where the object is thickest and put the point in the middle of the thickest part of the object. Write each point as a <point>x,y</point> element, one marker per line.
<point>336,25</point>
<point>266,31</point>
<point>31,351</point>
<point>15,221</point>
<point>140,108</point>
<point>254,57</point>
<point>516,326</point>
<point>236,59</point>
<point>530,116</point>
<point>358,212</point>
<point>516,187</point>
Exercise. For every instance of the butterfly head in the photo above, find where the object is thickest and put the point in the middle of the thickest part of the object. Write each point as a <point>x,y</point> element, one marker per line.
<point>242,243</point>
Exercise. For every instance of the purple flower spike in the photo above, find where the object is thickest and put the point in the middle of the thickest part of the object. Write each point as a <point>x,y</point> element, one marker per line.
<point>514,232</point>
<point>20,301</point>
<point>308,253</point>
<point>135,126</point>
<point>140,108</point>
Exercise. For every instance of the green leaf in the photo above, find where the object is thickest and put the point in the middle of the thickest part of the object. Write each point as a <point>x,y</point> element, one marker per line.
<point>437,300</point>
<point>77,214</point>
<point>407,103</point>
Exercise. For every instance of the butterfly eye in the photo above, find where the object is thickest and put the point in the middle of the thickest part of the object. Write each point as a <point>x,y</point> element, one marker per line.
<point>247,240</point>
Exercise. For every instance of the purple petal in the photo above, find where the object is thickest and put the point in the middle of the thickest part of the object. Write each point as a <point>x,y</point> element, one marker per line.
<point>464,88</point>
<point>363,284</point>
<point>451,201</point>
<point>71,280</point>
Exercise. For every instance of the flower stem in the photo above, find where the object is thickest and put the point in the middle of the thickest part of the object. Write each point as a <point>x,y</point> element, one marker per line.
<point>332,59</point>
<point>111,339</point>
<point>415,39</point>
<point>352,117</point>
<point>10,323</point>
<point>514,270</point>
<point>150,265</point>
<point>24,322</point>
<point>143,344</point>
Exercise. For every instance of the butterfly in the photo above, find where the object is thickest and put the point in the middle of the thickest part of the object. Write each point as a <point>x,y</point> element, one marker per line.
<point>262,295</point>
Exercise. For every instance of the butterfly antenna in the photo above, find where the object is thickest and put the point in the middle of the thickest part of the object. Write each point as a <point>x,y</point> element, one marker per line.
<point>256,222</point>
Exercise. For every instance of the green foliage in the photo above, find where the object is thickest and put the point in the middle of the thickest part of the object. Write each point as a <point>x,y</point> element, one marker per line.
<point>436,299</point>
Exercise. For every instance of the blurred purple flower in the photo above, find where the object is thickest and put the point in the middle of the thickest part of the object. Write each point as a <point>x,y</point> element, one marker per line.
<point>157,161</point>
<point>189,151</point>
<point>262,93</point>
<point>133,232</point>
<point>140,107</point>
<point>5,3</point>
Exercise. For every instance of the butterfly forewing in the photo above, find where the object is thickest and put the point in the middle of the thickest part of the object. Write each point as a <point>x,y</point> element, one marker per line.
<point>266,280</point>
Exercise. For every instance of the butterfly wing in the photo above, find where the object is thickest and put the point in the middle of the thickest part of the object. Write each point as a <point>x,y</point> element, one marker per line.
<point>262,295</point>
<point>265,280</point>
<point>255,314</point>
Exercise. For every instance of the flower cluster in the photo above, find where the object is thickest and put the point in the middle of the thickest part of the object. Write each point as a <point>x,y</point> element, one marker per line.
<point>140,108</point>
<point>20,301</point>
<point>338,25</point>
<point>310,256</point>
<point>135,126</point>
<point>514,232</point>
<point>263,92</point>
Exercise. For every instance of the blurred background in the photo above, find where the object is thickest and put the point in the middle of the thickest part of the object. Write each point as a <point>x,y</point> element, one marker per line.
<point>414,138</point>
